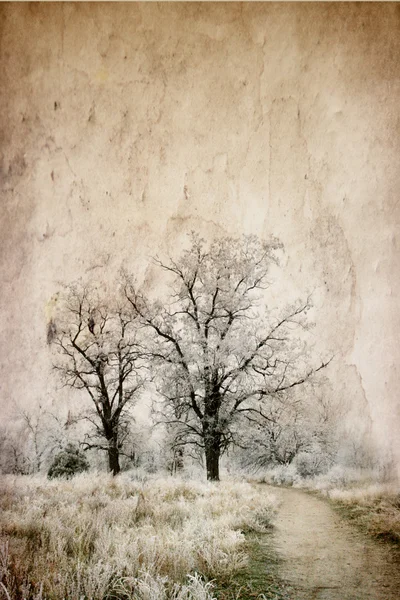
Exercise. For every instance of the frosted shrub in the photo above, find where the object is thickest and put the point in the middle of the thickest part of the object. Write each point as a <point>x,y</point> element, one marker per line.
<point>281,475</point>
<point>68,463</point>
<point>340,476</point>
<point>310,464</point>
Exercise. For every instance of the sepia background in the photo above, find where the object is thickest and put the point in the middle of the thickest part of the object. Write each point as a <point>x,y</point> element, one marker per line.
<point>125,126</point>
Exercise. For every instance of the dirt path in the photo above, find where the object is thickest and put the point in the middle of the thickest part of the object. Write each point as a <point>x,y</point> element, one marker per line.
<point>325,558</point>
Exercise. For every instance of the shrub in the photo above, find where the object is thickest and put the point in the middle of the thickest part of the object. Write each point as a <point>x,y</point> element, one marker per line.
<point>310,464</point>
<point>281,475</point>
<point>68,463</point>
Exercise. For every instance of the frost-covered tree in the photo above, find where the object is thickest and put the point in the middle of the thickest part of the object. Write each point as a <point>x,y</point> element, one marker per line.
<point>220,354</point>
<point>29,440</point>
<point>300,429</point>
<point>98,353</point>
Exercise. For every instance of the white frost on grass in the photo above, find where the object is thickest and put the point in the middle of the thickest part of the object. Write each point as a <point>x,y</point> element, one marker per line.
<point>97,537</point>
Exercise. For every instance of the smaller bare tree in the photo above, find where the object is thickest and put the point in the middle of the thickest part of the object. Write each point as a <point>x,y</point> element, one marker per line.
<point>303,425</point>
<point>29,440</point>
<point>13,457</point>
<point>98,353</point>
<point>34,422</point>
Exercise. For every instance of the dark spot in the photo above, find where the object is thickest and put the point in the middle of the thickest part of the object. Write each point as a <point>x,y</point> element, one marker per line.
<point>306,176</point>
<point>91,115</point>
<point>51,331</point>
<point>52,175</point>
<point>56,105</point>
<point>17,167</point>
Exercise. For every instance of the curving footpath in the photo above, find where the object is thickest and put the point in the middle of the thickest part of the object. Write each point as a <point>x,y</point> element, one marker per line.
<point>326,558</point>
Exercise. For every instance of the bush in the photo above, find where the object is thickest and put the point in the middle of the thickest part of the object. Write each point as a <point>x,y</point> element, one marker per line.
<point>68,463</point>
<point>310,464</point>
<point>281,475</point>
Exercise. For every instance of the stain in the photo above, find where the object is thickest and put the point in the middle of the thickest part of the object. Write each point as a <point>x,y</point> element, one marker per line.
<point>92,114</point>
<point>51,332</point>
<point>15,169</point>
<point>85,201</point>
<point>102,261</point>
<point>48,233</point>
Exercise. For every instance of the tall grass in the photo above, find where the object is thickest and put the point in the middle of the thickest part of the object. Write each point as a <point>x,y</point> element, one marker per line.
<point>375,507</point>
<point>99,538</point>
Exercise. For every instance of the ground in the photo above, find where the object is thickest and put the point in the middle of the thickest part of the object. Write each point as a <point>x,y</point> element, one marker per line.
<point>97,538</point>
<point>323,557</point>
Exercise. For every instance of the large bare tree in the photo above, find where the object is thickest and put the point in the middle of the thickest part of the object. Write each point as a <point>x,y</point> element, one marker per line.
<point>219,352</point>
<point>98,353</point>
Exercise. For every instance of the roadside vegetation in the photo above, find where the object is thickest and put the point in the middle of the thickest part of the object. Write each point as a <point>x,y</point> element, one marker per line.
<point>94,537</point>
<point>374,507</point>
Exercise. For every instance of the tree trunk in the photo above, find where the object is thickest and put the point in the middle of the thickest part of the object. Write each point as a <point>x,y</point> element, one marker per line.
<point>113,457</point>
<point>213,453</point>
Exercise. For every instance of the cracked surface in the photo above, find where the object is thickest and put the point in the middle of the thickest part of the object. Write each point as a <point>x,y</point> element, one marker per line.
<point>125,126</point>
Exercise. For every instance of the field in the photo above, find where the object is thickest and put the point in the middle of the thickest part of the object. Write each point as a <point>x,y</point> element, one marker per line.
<point>98,538</point>
<point>95,537</point>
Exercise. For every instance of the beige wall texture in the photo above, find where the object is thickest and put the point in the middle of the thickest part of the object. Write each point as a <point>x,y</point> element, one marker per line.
<point>124,126</point>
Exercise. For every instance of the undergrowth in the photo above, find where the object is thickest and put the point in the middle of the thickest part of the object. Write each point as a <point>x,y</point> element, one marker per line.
<point>98,538</point>
<point>375,508</point>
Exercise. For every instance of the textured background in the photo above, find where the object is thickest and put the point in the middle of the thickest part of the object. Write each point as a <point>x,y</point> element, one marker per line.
<point>125,126</point>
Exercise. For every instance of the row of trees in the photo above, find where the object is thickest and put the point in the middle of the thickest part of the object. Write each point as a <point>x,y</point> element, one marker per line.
<point>217,358</point>
<point>304,435</point>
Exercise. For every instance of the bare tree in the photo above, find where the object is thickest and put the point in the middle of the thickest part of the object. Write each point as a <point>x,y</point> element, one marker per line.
<point>13,456</point>
<point>34,424</point>
<point>301,426</point>
<point>220,354</point>
<point>99,354</point>
<point>29,440</point>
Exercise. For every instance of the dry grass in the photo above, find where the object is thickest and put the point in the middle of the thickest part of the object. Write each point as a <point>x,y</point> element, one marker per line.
<point>99,538</point>
<point>375,507</point>
<point>367,497</point>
